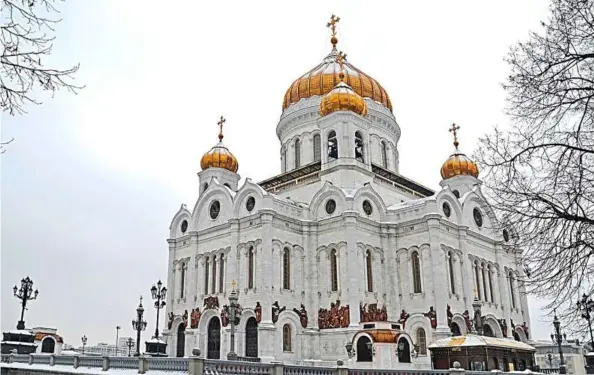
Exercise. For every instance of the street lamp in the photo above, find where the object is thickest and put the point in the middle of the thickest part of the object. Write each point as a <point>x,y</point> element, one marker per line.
<point>139,325</point>
<point>349,349</point>
<point>557,337</point>
<point>117,338</point>
<point>158,293</point>
<point>233,298</point>
<point>550,358</point>
<point>587,307</point>
<point>84,342</point>
<point>129,344</point>
<point>24,293</point>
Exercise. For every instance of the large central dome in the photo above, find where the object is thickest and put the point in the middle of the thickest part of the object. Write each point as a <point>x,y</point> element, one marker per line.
<point>324,77</point>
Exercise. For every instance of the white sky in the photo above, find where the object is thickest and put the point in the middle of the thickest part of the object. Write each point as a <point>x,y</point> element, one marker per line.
<point>92,180</point>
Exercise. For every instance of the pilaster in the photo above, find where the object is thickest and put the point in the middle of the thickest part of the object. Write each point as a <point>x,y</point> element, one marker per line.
<point>439,277</point>
<point>232,266</point>
<point>354,269</point>
<point>466,266</point>
<point>505,297</point>
<point>266,329</point>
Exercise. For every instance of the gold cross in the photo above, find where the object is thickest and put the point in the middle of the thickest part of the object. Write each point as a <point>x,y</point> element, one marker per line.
<point>332,24</point>
<point>340,58</point>
<point>233,284</point>
<point>220,123</point>
<point>453,130</point>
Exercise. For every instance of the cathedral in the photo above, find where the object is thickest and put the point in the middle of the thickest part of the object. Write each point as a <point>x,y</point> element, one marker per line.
<point>338,257</point>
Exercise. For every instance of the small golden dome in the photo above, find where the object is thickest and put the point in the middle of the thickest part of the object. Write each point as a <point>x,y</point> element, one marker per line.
<point>459,164</point>
<point>324,77</point>
<point>343,98</point>
<point>219,156</point>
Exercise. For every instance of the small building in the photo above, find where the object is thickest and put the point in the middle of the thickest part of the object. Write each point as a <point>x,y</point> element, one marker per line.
<point>47,340</point>
<point>547,356</point>
<point>20,340</point>
<point>482,353</point>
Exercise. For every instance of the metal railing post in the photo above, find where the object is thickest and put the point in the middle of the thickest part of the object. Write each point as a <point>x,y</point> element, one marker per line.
<point>142,364</point>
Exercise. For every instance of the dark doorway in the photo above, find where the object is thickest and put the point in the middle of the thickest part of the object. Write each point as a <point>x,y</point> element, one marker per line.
<point>403,351</point>
<point>181,340</point>
<point>214,339</point>
<point>487,331</point>
<point>48,345</point>
<point>456,330</point>
<point>516,336</point>
<point>251,338</point>
<point>363,350</point>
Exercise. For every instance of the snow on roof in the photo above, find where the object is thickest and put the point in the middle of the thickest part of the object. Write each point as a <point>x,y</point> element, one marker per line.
<point>17,343</point>
<point>154,340</point>
<point>475,340</point>
<point>21,332</point>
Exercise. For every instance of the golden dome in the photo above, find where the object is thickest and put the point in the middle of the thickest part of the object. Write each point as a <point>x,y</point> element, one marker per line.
<point>324,77</point>
<point>343,98</point>
<point>459,164</point>
<point>219,156</point>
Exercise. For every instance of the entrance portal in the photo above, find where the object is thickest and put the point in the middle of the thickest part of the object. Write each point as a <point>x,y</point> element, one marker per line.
<point>403,351</point>
<point>48,345</point>
<point>181,340</point>
<point>214,339</point>
<point>251,338</point>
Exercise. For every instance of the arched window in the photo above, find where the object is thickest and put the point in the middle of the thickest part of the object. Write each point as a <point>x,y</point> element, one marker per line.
<point>286,269</point>
<point>213,288</point>
<point>251,268</point>
<point>332,145</point>
<point>477,276</point>
<point>285,164</point>
<point>485,291</point>
<point>183,280</point>
<point>511,289</point>
<point>206,272</point>
<point>368,261</point>
<point>416,272</point>
<point>333,271</point>
<point>490,283</point>
<point>297,153</point>
<point>359,147</point>
<point>221,273</point>
<point>287,338</point>
<point>422,341</point>
<point>451,270</point>
<point>384,154</point>
<point>317,147</point>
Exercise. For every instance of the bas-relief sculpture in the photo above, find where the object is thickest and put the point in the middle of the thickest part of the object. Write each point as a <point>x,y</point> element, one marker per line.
<point>336,316</point>
<point>370,313</point>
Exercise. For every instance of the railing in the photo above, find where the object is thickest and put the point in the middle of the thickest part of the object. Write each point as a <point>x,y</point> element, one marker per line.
<point>398,372</point>
<point>549,370</point>
<point>65,360</point>
<point>89,362</point>
<point>167,364</point>
<point>299,370</point>
<point>212,367</point>
<point>122,363</point>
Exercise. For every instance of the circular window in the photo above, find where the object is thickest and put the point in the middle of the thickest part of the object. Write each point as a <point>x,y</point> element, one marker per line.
<point>330,206</point>
<point>249,205</point>
<point>506,235</point>
<point>367,208</point>
<point>456,194</point>
<point>184,226</point>
<point>447,210</point>
<point>478,217</point>
<point>215,209</point>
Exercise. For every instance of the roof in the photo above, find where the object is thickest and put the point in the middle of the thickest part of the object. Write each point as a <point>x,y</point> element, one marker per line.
<point>475,340</point>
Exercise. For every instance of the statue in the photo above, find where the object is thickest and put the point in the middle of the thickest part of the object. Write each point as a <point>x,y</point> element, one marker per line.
<point>432,315</point>
<point>403,317</point>
<point>225,316</point>
<point>478,322</point>
<point>238,311</point>
<point>185,319</point>
<point>466,316</point>
<point>276,310</point>
<point>302,313</point>
<point>525,328</point>
<point>503,326</point>
<point>258,312</point>
<point>373,314</point>
<point>170,322</point>
<point>211,302</point>
<point>450,315</point>
<point>195,318</point>
<point>336,317</point>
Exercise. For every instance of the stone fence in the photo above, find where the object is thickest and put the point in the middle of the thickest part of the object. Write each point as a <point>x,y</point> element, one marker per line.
<point>39,364</point>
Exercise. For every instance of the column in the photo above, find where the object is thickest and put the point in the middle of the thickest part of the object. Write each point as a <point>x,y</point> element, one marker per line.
<point>439,277</point>
<point>233,259</point>
<point>171,274</point>
<point>353,269</point>
<point>266,328</point>
<point>391,273</point>
<point>466,265</point>
<point>503,288</point>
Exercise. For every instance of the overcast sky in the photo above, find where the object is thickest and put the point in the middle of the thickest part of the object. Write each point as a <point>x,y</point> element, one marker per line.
<point>92,181</point>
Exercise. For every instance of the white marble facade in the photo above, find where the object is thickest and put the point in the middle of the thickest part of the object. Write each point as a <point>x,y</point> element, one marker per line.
<point>346,228</point>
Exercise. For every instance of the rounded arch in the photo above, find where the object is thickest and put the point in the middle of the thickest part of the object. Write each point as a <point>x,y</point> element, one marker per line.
<point>290,319</point>
<point>521,334</point>
<point>213,338</point>
<point>472,200</point>
<point>175,225</point>
<point>48,345</point>
<point>369,193</point>
<point>493,324</point>
<point>249,189</point>
<point>202,219</point>
<point>317,204</point>
<point>363,349</point>
<point>447,196</point>
<point>459,320</point>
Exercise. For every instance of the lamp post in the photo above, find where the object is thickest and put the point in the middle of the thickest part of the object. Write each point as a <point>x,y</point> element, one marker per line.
<point>129,344</point>
<point>24,293</point>
<point>587,307</point>
<point>117,338</point>
<point>158,292</point>
<point>139,325</point>
<point>557,337</point>
<point>84,342</point>
<point>550,358</point>
<point>233,298</point>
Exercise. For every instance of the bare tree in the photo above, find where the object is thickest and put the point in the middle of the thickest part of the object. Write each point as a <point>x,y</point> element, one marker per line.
<point>540,173</point>
<point>25,32</point>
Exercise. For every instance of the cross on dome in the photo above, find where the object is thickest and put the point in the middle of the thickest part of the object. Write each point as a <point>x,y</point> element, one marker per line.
<point>340,59</point>
<point>454,130</point>
<point>220,123</point>
<point>332,26</point>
